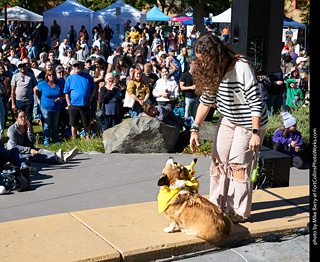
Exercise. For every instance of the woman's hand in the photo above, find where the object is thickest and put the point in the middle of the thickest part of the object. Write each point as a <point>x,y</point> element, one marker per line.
<point>14,108</point>
<point>293,143</point>
<point>194,142</point>
<point>28,125</point>
<point>57,100</point>
<point>254,142</point>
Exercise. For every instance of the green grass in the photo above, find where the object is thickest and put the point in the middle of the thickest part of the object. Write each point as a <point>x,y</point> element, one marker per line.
<point>275,121</point>
<point>83,145</point>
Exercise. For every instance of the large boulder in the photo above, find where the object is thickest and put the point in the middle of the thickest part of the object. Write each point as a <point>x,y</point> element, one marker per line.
<point>207,131</point>
<point>140,135</point>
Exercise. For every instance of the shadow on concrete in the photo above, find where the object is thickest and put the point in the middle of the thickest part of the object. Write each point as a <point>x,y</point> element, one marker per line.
<point>37,181</point>
<point>295,206</point>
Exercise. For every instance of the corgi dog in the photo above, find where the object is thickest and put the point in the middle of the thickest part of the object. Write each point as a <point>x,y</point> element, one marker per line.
<point>192,213</point>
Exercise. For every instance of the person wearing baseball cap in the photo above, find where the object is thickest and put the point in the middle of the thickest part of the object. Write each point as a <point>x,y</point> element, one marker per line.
<point>115,73</point>
<point>79,91</point>
<point>288,140</point>
<point>172,62</point>
<point>301,65</point>
<point>287,62</point>
<point>300,59</point>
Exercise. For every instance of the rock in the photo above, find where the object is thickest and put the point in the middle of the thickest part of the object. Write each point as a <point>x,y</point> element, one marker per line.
<point>207,131</point>
<point>140,135</point>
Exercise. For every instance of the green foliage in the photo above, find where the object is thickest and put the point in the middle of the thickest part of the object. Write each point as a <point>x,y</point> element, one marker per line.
<point>95,5</point>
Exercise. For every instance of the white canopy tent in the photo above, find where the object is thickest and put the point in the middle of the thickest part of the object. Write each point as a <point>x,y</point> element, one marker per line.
<point>70,13</point>
<point>108,16</point>
<point>18,13</point>
<point>224,17</point>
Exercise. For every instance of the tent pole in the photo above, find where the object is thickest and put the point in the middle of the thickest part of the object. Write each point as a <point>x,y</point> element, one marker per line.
<point>5,19</point>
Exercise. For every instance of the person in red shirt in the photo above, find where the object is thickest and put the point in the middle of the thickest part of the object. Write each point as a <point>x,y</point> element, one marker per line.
<point>23,51</point>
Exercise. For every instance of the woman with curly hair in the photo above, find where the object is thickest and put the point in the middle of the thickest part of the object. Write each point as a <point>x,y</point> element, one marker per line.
<point>228,80</point>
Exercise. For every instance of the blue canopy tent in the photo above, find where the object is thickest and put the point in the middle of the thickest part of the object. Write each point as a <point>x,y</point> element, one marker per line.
<point>289,22</point>
<point>155,14</point>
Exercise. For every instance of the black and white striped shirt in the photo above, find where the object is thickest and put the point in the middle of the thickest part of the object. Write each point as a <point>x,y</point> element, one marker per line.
<point>238,98</point>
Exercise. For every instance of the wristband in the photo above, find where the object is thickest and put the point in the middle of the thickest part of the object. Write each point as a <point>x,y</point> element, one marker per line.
<point>194,129</point>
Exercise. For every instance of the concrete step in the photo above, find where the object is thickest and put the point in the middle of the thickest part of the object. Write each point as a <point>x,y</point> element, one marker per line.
<point>135,232</point>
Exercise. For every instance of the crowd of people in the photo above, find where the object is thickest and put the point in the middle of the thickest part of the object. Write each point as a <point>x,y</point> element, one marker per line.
<point>59,80</point>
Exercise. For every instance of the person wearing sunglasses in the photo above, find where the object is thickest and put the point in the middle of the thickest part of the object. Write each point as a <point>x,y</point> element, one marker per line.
<point>22,84</point>
<point>79,90</point>
<point>50,103</point>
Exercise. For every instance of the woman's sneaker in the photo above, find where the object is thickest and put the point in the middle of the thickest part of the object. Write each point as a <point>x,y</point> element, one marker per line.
<point>235,218</point>
<point>71,154</point>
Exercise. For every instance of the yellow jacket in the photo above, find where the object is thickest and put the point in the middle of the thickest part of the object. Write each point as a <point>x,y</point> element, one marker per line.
<point>140,89</point>
<point>167,195</point>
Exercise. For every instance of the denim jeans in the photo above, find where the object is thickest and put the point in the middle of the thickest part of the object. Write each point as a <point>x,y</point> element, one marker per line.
<point>2,117</point>
<point>50,125</point>
<point>36,109</point>
<point>13,156</point>
<point>27,106</point>
<point>191,106</point>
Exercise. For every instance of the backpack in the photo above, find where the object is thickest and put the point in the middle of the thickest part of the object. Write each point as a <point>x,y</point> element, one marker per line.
<point>8,180</point>
<point>15,180</point>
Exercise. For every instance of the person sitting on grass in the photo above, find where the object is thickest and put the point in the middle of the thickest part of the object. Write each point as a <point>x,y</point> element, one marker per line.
<point>288,140</point>
<point>22,137</point>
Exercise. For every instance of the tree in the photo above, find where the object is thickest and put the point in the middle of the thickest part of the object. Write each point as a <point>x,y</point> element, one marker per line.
<point>165,5</point>
<point>95,5</point>
<point>202,8</point>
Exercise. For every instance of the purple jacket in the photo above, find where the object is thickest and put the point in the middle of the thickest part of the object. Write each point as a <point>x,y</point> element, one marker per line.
<point>294,136</point>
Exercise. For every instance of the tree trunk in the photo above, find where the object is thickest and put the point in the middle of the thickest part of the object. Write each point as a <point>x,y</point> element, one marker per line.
<point>198,16</point>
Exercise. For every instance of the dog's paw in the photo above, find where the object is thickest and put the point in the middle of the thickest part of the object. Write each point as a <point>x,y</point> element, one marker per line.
<point>168,230</point>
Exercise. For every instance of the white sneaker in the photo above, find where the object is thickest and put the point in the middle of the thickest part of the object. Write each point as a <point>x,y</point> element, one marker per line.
<point>71,154</point>
<point>60,156</point>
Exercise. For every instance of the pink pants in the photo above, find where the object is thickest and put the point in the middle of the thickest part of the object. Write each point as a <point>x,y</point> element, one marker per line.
<point>231,140</point>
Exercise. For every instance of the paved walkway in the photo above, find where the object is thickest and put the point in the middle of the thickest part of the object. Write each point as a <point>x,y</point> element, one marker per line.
<point>102,207</point>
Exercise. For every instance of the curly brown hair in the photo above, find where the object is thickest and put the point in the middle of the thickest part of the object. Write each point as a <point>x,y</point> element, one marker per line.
<point>211,68</point>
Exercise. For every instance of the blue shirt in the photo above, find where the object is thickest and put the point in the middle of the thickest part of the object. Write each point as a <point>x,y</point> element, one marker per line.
<point>49,95</point>
<point>79,88</point>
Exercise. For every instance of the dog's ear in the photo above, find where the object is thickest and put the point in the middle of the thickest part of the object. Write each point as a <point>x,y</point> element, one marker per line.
<point>163,181</point>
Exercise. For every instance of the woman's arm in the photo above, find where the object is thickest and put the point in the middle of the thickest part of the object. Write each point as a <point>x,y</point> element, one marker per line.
<point>35,91</point>
<point>202,112</point>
